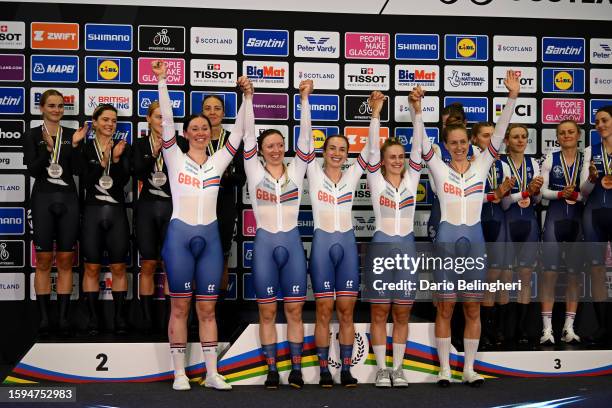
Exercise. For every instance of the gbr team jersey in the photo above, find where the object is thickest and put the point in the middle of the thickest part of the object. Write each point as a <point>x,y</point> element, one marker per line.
<point>276,203</point>
<point>462,195</point>
<point>194,186</point>
<point>393,207</point>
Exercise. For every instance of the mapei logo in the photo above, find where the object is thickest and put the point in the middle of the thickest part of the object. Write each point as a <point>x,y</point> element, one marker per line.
<point>108,69</point>
<point>12,101</point>
<point>417,46</point>
<point>563,80</point>
<point>54,36</point>
<point>322,107</point>
<point>316,44</point>
<point>108,37</point>
<point>409,76</point>
<point>54,68</point>
<point>271,43</point>
<point>12,221</point>
<point>404,136</point>
<point>267,74</point>
<point>601,50</point>
<point>466,47</point>
<point>177,100</point>
<point>476,108</point>
<point>559,49</point>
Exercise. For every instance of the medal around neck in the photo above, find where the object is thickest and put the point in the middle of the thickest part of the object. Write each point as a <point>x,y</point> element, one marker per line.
<point>55,170</point>
<point>159,179</point>
<point>105,182</point>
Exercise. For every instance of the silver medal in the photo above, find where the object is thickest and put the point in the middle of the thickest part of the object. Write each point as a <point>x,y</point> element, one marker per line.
<point>55,170</point>
<point>159,178</point>
<point>105,182</point>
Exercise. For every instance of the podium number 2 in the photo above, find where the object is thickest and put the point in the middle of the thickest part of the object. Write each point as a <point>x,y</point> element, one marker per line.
<point>103,360</point>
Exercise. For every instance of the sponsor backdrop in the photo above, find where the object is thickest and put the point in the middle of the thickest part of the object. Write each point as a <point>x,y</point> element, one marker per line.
<point>102,53</point>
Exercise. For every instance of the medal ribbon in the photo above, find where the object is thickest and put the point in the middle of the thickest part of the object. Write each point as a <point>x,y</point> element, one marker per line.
<point>493,177</point>
<point>58,143</point>
<point>522,180</point>
<point>100,154</point>
<point>570,179</point>
<point>607,163</point>
<point>159,161</point>
<point>220,143</point>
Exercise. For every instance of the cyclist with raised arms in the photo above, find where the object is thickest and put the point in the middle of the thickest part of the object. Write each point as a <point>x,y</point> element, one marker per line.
<point>394,191</point>
<point>279,263</point>
<point>192,247</point>
<point>460,188</point>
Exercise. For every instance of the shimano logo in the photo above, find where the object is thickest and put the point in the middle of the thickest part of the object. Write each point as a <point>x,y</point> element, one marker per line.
<point>475,109</point>
<point>108,37</point>
<point>323,108</point>
<point>10,221</point>
<point>417,47</point>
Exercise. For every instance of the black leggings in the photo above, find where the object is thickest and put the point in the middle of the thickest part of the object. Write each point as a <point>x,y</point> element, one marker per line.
<point>152,218</point>
<point>105,226</point>
<point>55,216</point>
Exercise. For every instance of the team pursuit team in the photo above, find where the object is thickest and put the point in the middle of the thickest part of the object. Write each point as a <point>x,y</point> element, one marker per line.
<point>479,197</point>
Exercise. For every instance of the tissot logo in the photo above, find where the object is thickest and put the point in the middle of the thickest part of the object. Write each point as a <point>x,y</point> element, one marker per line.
<point>528,77</point>
<point>161,39</point>
<point>368,77</point>
<point>11,132</point>
<point>206,72</point>
<point>12,35</point>
<point>12,254</point>
<point>356,109</point>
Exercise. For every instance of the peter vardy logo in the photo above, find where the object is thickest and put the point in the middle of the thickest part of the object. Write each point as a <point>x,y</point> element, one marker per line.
<point>273,43</point>
<point>476,109</point>
<point>601,50</point>
<point>563,80</point>
<point>316,44</point>
<point>466,47</point>
<point>108,37</point>
<point>108,69</point>
<point>12,221</point>
<point>12,101</point>
<point>559,49</point>
<point>322,107</point>
<point>177,100</point>
<point>229,101</point>
<point>54,68</point>
<point>417,46</point>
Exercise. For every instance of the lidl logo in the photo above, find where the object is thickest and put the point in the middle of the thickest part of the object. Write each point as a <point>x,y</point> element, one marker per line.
<point>464,47</point>
<point>319,134</point>
<point>108,69</point>
<point>561,80</point>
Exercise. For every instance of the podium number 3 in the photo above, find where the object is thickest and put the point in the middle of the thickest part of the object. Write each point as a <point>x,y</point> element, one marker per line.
<point>103,360</point>
<point>557,363</point>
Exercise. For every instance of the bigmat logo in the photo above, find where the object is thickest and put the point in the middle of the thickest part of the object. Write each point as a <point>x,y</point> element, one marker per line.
<point>271,106</point>
<point>316,44</point>
<point>356,109</point>
<point>116,70</point>
<point>600,81</point>
<point>560,49</point>
<point>71,100</point>
<point>267,74</point>
<point>12,35</point>
<point>12,221</point>
<point>366,77</point>
<point>557,110</point>
<point>12,101</point>
<point>322,107</point>
<point>12,188</point>
<point>121,99</point>
<point>177,100</point>
<point>213,40</point>
<point>12,67</point>
<point>515,48</point>
<point>358,137</point>
<point>525,110</point>
<point>54,68</point>
<point>562,80</point>
<point>123,132</point>
<point>324,75</point>
<point>12,254</point>
<point>476,109</point>
<point>601,50</point>
<point>466,47</point>
<point>417,46</point>
<point>161,39</point>
<point>229,101</point>
<point>404,135</point>
<point>367,45</point>
<point>430,106</point>
<point>268,43</point>
<point>319,134</point>
<point>207,72</point>
<point>54,36</point>
<point>108,37</point>
<point>466,78</point>
<point>176,71</point>
<point>528,77</point>
<point>409,76</point>
<point>595,104</point>
<point>11,133</point>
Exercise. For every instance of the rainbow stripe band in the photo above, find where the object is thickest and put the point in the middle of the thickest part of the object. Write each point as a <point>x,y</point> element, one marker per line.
<point>249,154</point>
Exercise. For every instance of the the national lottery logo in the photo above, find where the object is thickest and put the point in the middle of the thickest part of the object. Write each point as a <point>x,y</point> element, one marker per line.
<point>462,47</point>
<point>464,78</point>
<point>561,49</point>
<point>563,80</point>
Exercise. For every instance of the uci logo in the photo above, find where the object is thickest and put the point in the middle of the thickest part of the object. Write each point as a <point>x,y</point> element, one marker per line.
<point>108,70</point>
<point>466,48</point>
<point>563,80</point>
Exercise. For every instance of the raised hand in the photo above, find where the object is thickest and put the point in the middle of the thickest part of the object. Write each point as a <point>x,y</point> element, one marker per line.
<point>306,87</point>
<point>414,98</point>
<point>376,102</point>
<point>160,69</point>
<point>512,83</point>
<point>246,86</point>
